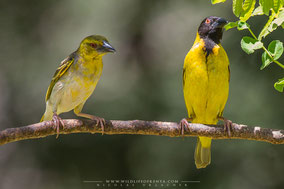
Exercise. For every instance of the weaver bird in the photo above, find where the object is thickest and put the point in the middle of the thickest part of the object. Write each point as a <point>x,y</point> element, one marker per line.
<point>75,80</point>
<point>206,76</point>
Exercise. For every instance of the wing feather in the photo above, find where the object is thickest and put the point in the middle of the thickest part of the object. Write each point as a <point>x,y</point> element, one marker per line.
<point>63,67</point>
<point>183,76</point>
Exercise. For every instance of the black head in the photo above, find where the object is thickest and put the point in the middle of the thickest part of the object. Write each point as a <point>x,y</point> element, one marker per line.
<point>212,28</point>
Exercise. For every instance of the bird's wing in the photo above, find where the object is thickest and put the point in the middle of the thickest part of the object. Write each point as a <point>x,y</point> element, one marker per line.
<point>63,67</point>
<point>190,74</point>
<point>183,76</point>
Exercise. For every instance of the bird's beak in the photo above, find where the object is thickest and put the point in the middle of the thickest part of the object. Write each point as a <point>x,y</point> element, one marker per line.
<point>220,23</point>
<point>106,47</point>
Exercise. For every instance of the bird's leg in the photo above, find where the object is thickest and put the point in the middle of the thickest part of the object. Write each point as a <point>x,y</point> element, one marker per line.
<point>100,121</point>
<point>227,125</point>
<point>183,123</point>
<point>57,121</point>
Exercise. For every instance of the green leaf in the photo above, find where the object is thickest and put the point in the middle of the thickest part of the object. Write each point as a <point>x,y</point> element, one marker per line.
<point>277,21</point>
<point>243,25</point>
<point>279,85</point>
<point>282,25</point>
<point>217,1</point>
<point>231,25</point>
<point>277,4</point>
<point>248,7</point>
<point>266,5</point>
<point>266,60</point>
<point>237,7</point>
<point>257,11</point>
<point>273,22</point>
<point>264,32</point>
<point>249,45</point>
<point>276,49</point>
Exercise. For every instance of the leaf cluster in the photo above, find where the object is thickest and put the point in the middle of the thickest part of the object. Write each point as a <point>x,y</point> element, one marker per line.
<point>274,10</point>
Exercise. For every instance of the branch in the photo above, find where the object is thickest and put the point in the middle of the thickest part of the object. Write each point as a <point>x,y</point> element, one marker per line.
<point>171,129</point>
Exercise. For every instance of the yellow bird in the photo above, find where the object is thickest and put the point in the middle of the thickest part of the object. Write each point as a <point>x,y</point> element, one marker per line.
<point>75,80</point>
<point>206,76</point>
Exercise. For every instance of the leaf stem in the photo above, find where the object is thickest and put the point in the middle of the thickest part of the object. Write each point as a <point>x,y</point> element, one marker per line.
<point>278,63</point>
<point>270,56</point>
<point>252,34</point>
<point>275,61</point>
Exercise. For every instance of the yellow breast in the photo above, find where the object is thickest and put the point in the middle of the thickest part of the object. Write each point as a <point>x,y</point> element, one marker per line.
<point>206,83</point>
<point>78,84</point>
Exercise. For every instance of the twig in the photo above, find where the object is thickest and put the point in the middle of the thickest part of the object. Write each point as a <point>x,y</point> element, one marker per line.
<point>171,129</point>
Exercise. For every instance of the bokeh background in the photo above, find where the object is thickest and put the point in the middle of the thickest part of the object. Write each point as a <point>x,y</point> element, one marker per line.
<point>143,80</point>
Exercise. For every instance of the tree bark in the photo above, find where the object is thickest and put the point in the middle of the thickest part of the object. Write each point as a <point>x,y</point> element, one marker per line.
<point>139,127</point>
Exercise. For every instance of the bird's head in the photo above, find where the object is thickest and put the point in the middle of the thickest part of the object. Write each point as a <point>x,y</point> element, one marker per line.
<point>212,28</point>
<point>95,45</point>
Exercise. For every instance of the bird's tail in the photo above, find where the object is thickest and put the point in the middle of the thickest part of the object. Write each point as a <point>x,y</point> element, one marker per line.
<point>202,153</point>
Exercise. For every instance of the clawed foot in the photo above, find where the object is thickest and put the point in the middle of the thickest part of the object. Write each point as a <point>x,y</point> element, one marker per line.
<point>227,125</point>
<point>184,123</point>
<point>100,121</point>
<point>57,121</point>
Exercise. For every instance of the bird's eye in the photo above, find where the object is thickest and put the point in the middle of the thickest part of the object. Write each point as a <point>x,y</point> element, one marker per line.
<point>207,21</point>
<point>93,45</point>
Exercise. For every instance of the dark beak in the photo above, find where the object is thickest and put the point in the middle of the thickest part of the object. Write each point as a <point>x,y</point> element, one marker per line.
<point>106,47</point>
<point>220,23</point>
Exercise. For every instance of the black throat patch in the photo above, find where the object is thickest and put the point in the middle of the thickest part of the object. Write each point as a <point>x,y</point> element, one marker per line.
<point>211,38</point>
<point>209,44</point>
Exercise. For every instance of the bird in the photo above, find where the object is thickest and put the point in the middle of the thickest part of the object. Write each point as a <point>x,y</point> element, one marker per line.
<point>206,77</point>
<point>75,80</point>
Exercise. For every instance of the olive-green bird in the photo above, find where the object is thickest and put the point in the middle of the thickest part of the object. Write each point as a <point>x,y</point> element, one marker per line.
<point>76,79</point>
<point>206,76</point>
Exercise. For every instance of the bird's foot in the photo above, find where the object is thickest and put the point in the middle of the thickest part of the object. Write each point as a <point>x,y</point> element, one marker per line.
<point>227,125</point>
<point>184,123</point>
<point>100,121</point>
<point>57,122</point>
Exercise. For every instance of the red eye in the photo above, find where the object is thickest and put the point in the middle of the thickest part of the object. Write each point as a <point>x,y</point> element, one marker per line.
<point>93,45</point>
<point>207,21</point>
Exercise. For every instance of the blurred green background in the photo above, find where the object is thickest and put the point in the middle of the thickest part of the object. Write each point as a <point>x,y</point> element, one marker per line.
<point>143,80</point>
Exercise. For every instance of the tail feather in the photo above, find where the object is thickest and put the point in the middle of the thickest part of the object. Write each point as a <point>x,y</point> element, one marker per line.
<point>202,153</point>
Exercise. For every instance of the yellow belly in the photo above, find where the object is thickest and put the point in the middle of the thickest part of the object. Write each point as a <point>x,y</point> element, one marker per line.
<point>75,87</point>
<point>206,83</point>
<point>74,93</point>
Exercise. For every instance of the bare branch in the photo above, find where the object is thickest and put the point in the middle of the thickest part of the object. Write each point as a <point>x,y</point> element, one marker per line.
<point>138,127</point>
